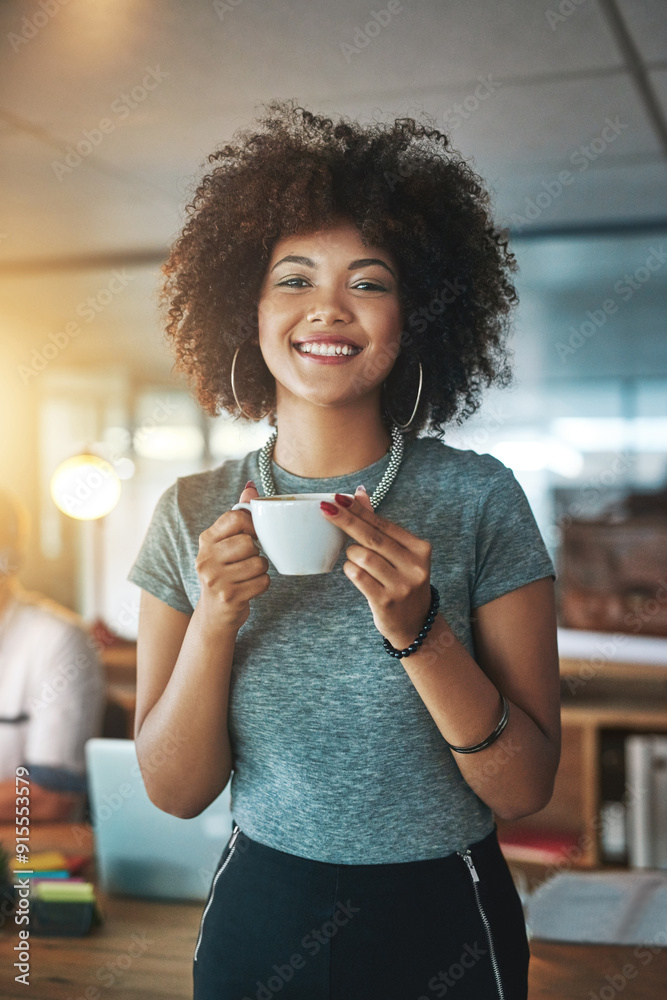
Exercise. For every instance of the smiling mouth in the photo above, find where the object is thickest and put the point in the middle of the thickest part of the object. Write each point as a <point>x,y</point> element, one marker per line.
<point>327,350</point>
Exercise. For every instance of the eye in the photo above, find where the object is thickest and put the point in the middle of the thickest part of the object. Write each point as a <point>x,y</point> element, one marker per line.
<point>292,282</point>
<point>372,285</point>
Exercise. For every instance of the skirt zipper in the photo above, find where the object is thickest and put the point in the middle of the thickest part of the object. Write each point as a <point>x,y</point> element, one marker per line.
<point>232,844</point>
<point>467,857</point>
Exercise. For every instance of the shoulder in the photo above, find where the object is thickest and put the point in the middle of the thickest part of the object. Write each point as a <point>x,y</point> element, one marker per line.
<point>196,501</point>
<point>49,621</point>
<point>466,471</point>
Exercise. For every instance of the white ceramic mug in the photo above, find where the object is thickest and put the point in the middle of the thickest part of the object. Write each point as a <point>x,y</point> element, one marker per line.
<point>294,533</point>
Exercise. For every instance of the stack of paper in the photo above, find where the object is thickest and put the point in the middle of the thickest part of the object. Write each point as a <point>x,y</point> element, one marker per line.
<point>61,904</point>
<point>601,908</point>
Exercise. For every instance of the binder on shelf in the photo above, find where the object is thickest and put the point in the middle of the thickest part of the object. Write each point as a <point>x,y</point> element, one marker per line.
<point>535,846</point>
<point>613,798</point>
<point>646,770</point>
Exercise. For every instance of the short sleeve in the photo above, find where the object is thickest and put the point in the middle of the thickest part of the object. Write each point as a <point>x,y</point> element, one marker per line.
<point>157,567</point>
<point>509,549</point>
<point>66,709</point>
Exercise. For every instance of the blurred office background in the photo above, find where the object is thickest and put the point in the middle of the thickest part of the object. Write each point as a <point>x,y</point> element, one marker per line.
<point>108,110</point>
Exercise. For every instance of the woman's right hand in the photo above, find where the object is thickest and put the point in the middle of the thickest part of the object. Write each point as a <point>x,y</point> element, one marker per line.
<point>230,569</point>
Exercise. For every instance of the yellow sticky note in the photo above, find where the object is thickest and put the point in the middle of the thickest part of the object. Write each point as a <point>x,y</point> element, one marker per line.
<point>75,892</point>
<point>43,861</point>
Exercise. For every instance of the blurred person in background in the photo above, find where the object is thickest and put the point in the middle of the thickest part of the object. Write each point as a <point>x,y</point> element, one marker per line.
<point>51,687</point>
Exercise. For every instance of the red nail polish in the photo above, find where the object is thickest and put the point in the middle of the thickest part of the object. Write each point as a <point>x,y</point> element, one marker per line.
<point>328,508</point>
<point>343,500</point>
<point>249,485</point>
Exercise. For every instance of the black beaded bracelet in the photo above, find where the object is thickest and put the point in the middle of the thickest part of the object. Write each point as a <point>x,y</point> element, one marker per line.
<point>426,628</point>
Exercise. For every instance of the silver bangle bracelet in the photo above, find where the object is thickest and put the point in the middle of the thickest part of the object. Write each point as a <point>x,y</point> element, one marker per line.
<point>494,735</point>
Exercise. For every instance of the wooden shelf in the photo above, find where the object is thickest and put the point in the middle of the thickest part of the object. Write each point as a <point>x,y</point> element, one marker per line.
<point>588,669</point>
<point>621,702</point>
<point>613,714</point>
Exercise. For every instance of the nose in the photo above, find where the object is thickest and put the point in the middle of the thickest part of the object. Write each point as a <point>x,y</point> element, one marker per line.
<point>329,309</point>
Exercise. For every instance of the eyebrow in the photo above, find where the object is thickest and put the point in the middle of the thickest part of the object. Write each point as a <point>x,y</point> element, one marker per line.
<point>308,262</point>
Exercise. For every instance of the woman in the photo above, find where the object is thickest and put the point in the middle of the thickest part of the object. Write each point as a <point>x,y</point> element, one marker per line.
<point>363,860</point>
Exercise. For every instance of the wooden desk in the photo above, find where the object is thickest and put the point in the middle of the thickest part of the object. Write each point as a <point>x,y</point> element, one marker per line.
<point>143,950</point>
<point>163,936</point>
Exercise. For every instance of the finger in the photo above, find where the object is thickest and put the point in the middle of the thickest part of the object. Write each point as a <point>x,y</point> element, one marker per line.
<point>372,590</point>
<point>236,548</point>
<point>234,522</point>
<point>373,532</point>
<point>362,496</point>
<point>250,491</point>
<point>248,569</point>
<point>365,512</point>
<point>373,564</point>
<point>248,589</point>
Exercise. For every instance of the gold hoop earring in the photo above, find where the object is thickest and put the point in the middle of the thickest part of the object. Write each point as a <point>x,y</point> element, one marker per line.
<point>402,427</point>
<point>236,398</point>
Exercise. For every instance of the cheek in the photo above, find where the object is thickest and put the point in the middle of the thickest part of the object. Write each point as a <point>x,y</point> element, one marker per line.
<point>274,318</point>
<point>268,332</point>
<point>389,320</point>
<point>388,329</point>
<point>266,313</point>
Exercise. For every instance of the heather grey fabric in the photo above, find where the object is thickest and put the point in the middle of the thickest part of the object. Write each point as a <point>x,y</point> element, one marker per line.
<point>336,757</point>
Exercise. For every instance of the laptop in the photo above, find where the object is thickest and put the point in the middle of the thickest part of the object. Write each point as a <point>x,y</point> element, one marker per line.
<point>140,850</point>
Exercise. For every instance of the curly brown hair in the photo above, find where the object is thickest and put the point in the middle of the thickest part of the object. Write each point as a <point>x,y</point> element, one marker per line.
<point>407,190</point>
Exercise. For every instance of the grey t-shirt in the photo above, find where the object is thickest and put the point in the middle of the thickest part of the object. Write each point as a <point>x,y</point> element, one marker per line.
<point>336,757</point>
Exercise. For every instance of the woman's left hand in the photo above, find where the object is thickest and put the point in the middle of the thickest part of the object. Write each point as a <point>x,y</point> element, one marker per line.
<point>390,566</point>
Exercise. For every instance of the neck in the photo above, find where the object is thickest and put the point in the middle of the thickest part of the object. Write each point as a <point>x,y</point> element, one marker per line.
<point>321,442</point>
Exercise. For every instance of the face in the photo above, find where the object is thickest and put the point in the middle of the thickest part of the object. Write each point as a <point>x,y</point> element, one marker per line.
<point>329,317</point>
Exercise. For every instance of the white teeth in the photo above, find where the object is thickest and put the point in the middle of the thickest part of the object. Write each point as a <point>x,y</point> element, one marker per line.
<point>326,350</point>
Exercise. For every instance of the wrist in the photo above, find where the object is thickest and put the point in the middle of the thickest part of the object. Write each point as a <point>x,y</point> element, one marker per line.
<point>417,638</point>
<point>212,624</point>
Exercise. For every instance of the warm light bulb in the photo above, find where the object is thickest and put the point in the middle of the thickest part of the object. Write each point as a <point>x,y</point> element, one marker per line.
<point>85,487</point>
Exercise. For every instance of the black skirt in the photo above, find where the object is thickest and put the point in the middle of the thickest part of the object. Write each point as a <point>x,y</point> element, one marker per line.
<point>278,925</point>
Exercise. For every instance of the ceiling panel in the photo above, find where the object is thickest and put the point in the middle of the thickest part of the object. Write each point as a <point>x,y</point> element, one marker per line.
<point>90,55</point>
<point>545,124</point>
<point>647,22</point>
<point>130,190</point>
<point>547,121</point>
<point>47,213</point>
<point>659,80</point>
<point>173,80</point>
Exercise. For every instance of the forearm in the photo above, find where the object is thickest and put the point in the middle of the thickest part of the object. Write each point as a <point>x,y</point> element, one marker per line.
<point>183,744</point>
<point>514,776</point>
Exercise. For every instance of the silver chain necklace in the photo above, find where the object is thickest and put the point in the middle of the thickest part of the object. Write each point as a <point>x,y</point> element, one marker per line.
<point>395,459</point>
